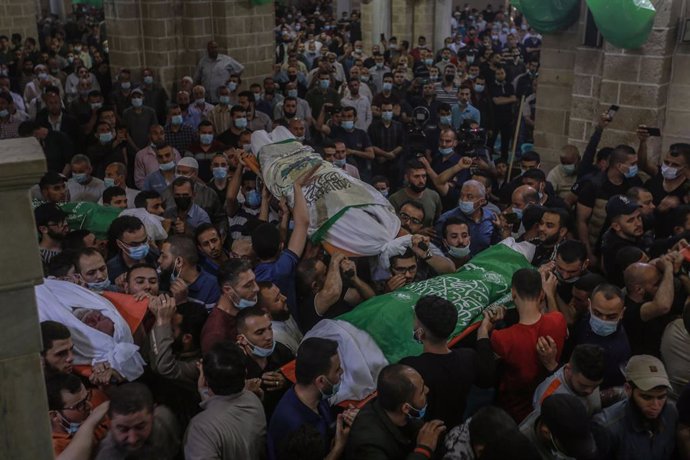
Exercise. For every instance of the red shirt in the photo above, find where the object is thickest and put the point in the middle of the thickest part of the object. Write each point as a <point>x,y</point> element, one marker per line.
<point>517,347</point>
<point>219,327</point>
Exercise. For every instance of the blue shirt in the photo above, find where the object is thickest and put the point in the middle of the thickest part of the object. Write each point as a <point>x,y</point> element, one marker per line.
<point>282,273</point>
<point>468,113</point>
<point>204,290</point>
<point>290,414</point>
<point>195,216</point>
<point>482,234</point>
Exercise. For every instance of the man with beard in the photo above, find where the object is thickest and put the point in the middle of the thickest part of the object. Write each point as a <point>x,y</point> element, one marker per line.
<point>210,244</point>
<point>416,178</point>
<point>553,227</point>
<point>175,340</point>
<point>625,230</point>
<point>142,280</point>
<point>186,215</point>
<point>51,223</point>
<point>285,328</point>
<point>56,356</point>
<point>568,266</point>
<point>179,270</point>
<point>643,425</point>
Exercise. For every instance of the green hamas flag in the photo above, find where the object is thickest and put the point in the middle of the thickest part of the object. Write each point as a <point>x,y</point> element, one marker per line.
<point>485,280</point>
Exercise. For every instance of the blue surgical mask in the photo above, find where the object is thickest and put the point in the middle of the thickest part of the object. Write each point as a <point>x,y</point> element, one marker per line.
<point>387,86</point>
<point>428,61</point>
<point>81,178</point>
<point>387,115</point>
<point>292,93</point>
<point>466,207</point>
<point>244,303</point>
<point>176,119</point>
<point>4,113</point>
<point>339,162</point>
<point>109,182</point>
<point>224,100</point>
<point>569,170</point>
<point>220,173</point>
<point>206,139</point>
<point>148,79</point>
<point>324,84</point>
<point>138,252</point>
<point>167,166</point>
<point>125,85</point>
<point>254,199</point>
<point>137,102</point>
<point>262,352</point>
<point>600,327</point>
<point>240,123</point>
<point>458,252</point>
<point>445,152</point>
<point>347,124</point>
<point>384,192</point>
<point>632,172</point>
<point>334,390</point>
<point>518,212</point>
<point>232,86</point>
<point>70,427</point>
<point>104,138</point>
<point>478,88</point>
<point>445,120</point>
<point>415,413</point>
<point>99,286</point>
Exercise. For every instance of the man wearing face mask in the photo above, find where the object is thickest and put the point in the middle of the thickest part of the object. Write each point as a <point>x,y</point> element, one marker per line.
<point>146,160</point>
<point>523,82</point>
<point>256,119</point>
<point>204,150</point>
<point>139,119</point>
<point>285,328</point>
<point>83,186</point>
<point>563,176</point>
<point>362,104</point>
<point>292,106</point>
<point>391,426</point>
<point>387,139</point>
<point>155,95</point>
<point>51,223</point>
<point>239,290</point>
<point>90,265</point>
<point>322,92</point>
<point>181,275</point>
<point>127,238</point>
<point>670,185</point>
<point>265,356</point>
<point>447,90</point>
<point>73,408</point>
<point>449,374</point>
<point>471,209</point>
<point>239,123</point>
<point>319,372</point>
<point>185,214</point>
<point>456,241</point>
<point>594,195</point>
<point>116,176</point>
<point>159,179</point>
<point>179,134</point>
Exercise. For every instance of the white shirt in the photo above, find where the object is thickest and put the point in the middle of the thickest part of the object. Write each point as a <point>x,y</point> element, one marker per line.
<point>287,333</point>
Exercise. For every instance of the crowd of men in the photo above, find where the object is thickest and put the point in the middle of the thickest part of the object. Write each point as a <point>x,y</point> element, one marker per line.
<point>592,363</point>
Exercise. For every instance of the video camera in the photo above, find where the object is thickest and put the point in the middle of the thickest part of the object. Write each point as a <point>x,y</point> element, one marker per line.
<point>472,139</point>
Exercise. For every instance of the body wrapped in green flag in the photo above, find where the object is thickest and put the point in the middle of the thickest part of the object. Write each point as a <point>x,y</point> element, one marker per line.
<point>379,331</point>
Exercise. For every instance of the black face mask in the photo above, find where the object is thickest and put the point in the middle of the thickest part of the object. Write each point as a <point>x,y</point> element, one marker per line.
<point>449,78</point>
<point>183,203</point>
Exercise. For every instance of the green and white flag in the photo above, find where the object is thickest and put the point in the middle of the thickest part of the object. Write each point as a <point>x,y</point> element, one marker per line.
<point>379,331</point>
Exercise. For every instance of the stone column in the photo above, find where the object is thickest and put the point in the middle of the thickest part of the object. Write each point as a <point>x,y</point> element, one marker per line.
<point>23,401</point>
<point>171,36</point>
<point>423,20</point>
<point>442,17</point>
<point>18,16</point>
<point>377,19</point>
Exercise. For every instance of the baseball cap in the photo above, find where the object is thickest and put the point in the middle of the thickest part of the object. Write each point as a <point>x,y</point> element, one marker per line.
<point>51,178</point>
<point>646,372</point>
<point>189,162</point>
<point>49,212</point>
<point>620,205</point>
<point>567,419</point>
<point>137,91</point>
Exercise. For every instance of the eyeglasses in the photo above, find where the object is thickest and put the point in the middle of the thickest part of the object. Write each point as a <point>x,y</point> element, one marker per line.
<point>408,218</point>
<point>411,269</point>
<point>83,405</point>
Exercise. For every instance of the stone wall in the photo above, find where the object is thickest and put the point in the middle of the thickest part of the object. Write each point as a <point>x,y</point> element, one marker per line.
<point>171,36</point>
<point>18,16</point>
<point>650,84</point>
<point>23,401</point>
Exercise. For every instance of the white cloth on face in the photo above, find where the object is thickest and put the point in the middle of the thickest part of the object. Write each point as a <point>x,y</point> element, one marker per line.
<point>363,356</point>
<point>152,223</point>
<point>382,226</point>
<point>57,299</point>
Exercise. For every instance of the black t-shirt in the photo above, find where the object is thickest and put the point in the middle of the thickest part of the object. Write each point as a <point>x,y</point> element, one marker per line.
<point>655,185</point>
<point>602,188</point>
<point>645,336</point>
<point>611,243</point>
<point>503,89</point>
<point>450,377</point>
<point>307,311</point>
<point>229,138</point>
<point>281,355</point>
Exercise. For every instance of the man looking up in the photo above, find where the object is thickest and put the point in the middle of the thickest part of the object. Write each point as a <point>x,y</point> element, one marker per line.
<point>210,244</point>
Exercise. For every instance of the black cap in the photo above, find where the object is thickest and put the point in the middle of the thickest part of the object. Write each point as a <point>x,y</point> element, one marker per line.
<point>620,205</point>
<point>51,178</point>
<point>49,212</point>
<point>566,417</point>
